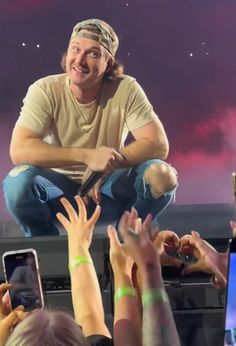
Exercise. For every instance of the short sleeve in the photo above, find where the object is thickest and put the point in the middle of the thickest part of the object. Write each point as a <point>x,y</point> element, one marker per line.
<point>139,110</point>
<point>36,112</point>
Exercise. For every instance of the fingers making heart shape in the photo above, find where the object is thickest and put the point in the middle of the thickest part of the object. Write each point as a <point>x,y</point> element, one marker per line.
<point>167,245</point>
<point>206,258</point>
<point>190,251</point>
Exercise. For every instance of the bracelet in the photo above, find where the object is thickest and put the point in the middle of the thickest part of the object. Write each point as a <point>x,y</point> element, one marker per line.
<point>79,260</point>
<point>125,291</point>
<point>154,296</point>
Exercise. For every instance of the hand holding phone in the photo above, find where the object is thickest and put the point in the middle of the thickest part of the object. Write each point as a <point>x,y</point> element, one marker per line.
<point>22,272</point>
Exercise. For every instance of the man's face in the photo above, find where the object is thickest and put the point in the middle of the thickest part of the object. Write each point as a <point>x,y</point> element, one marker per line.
<point>86,62</point>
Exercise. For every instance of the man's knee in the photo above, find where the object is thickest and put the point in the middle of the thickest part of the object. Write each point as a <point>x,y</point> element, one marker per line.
<point>16,184</point>
<point>161,178</point>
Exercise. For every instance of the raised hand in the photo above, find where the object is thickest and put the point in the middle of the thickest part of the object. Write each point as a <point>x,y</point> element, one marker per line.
<point>78,227</point>
<point>120,259</point>
<point>136,236</point>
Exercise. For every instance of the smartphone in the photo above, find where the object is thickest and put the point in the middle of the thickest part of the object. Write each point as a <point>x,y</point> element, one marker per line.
<point>21,270</point>
<point>230,305</point>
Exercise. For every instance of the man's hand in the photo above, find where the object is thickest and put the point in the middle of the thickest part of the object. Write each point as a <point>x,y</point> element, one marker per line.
<point>103,159</point>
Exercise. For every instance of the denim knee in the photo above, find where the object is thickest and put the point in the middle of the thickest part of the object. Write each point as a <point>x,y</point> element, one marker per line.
<point>161,178</point>
<point>142,187</point>
<point>17,186</point>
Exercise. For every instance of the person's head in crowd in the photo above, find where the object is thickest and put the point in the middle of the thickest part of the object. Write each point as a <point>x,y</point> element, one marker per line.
<point>106,42</point>
<point>47,328</point>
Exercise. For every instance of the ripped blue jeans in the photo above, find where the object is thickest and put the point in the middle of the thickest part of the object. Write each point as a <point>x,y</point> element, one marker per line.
<point>32,196</point>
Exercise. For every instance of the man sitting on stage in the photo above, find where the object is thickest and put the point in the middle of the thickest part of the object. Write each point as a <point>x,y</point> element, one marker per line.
<point>74,123</point>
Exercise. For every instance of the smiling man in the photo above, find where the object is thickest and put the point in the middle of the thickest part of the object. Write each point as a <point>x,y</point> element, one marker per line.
<point>74,123</point>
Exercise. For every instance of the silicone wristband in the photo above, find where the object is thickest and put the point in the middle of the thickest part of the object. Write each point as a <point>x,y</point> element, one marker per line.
<point>79,260</point>
<point>125,291</point>
<point>154,296</point>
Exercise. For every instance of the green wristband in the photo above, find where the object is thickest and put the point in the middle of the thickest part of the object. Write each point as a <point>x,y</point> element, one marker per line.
<point>125,291</point>
<point>79,260</point>
<point>154,296</point>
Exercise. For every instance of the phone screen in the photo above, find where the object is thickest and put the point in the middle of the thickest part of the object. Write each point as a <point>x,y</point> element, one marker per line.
<point>230,317</point>
<point>21,271</point>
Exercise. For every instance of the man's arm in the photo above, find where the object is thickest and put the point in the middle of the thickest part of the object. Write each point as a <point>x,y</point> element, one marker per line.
<point>150,143</point>
<point>27,146</point>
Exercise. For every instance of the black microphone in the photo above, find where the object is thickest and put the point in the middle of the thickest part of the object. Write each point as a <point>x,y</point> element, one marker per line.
<point>88,184</point>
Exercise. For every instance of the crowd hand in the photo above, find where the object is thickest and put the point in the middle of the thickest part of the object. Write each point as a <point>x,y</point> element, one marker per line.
<point>104,159</point>
<point>167,245</point>
<point>233,227</point>
<point>8,318</point>
<point>119,258</point>
<point>5,306</point>
<point>78,227</point>
<point>220,280</point>
<point>9,322</point>
<point>136,237</point>
<point>208,260</point>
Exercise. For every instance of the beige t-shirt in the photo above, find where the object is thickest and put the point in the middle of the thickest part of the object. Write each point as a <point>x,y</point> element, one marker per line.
<point>51,110</point>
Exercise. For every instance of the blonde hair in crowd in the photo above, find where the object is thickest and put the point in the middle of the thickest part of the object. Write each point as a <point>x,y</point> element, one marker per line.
<point>47,328</point>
